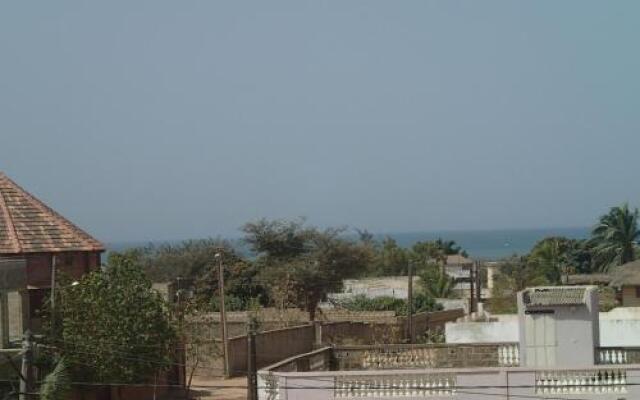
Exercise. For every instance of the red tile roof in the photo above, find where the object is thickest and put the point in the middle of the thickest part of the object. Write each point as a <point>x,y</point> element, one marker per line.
<point>27,225</point>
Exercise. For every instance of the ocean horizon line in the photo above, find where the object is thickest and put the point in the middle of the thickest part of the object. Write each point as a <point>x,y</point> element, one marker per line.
<point>484,244</point>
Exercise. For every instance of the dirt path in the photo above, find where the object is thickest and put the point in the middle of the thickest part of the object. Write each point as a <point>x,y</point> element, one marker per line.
<point>227,389</point>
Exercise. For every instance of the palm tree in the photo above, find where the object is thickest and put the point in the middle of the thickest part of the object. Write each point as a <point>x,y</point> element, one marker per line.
<point>436,283</point>
<point>57,384</point>
<point>614,238</point>
<point>549,257</point>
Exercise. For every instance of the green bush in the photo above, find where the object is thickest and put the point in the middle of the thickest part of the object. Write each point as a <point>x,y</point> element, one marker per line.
<point>421,303</point>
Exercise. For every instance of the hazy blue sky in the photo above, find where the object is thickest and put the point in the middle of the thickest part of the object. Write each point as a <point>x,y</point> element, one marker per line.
<point>173,119</point>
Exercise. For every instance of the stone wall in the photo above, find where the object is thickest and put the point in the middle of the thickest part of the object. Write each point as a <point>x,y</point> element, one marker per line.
<point>204,349</point>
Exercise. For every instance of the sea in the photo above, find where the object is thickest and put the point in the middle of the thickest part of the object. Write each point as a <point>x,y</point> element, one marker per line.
<point>479,244</point>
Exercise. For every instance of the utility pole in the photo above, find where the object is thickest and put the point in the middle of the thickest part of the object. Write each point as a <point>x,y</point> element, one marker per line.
<point>223,316</point>
<point>471,291</point>
<point>473,288</point>
<point>26,378</point>
<point>478,285</point>
<point>182,349</point>
<point>410,303</point>
<point>252,373</point>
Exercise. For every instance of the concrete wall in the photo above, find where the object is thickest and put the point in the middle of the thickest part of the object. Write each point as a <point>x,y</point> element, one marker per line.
<point>273,347</point>
<point>204,348</point>
<point>619,327</point>
<point>505,330</point>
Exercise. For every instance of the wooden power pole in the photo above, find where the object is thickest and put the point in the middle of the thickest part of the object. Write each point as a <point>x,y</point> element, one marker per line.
<point>26,373</point>
<point>410,303</point>
<point>223,316</point>
<point>252,370</point>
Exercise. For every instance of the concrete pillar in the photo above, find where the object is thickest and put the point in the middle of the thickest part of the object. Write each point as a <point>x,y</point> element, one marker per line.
<point>317,334</point>
<point>4,320</point>
<point>491,271</point>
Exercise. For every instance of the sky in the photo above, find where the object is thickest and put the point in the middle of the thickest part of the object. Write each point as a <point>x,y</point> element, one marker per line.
<point>159,120</point>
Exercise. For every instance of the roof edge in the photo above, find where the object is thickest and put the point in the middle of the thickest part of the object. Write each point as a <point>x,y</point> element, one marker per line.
<point>93,244</point>
<point>13,236</point>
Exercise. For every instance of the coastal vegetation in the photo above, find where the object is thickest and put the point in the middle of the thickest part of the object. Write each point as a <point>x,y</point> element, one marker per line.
<point>421,303</point>
<point>288,263</point>
<point>614,238</point>
<point>613,242</point>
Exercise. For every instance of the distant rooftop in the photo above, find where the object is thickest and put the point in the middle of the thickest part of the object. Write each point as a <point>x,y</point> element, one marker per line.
<point>457,259</point>
<point>555,296</point>
<point>588,279</point>
<point>626,275</point>
<point>27,225</point>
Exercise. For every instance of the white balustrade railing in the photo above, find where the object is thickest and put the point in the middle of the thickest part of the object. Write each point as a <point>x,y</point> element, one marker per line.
<point>398,358</point>
<point>581,381</point>
<point>509,355</point>
<point>429,356</point>
<point>617,355</point>
<point>268,387</point>
<point>394,386</point>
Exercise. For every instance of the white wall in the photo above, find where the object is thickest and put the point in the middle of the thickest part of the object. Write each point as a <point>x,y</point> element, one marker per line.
<point>504,330</point>
<point>619,327</point>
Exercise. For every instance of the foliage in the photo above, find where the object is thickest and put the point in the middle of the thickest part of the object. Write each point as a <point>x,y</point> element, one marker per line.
<point>300,265</point>
<point>614,237</point>
<point>550,258</point>
<point>389,259</point>
<point>421,303</point>
<point>113,326</point>
<point>607,299</point>
<point>281,239</point>
<point>194,261</point>
<point>435,282</point>
<point>242,285</point>
<point>165,262</point>
<point>514,275</point>
<point>57,384</point>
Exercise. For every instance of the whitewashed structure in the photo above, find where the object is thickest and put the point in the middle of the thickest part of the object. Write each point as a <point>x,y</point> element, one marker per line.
<point>557,355</point>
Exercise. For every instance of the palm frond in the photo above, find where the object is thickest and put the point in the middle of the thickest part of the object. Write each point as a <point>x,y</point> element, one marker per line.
<point>57,384</point>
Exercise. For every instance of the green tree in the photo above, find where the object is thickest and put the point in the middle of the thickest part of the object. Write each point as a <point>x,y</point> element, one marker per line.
<point>113,327</point>
<point>435,282</point>
<point>428,252</point>
<point>389,259</point>
<point>421,303</point>
<point>550,257</point>
<point>436,250</point>
<point>614,237</point>
<point>514,275</point>
<point>279,239</point>
<point>189,259</point>
<point>193,261</point>
<point>300,265</point>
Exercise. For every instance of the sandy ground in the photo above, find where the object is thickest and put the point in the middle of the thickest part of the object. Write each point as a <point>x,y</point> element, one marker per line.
<point>228,389</point>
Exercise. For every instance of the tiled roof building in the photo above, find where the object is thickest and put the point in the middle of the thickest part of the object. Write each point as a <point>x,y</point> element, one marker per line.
<point>27,225</point>
<point>33,239</point>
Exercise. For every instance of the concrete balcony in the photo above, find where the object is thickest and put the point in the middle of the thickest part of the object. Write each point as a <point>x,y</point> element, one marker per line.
<point>610,383</point>
<point>444,371</point>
